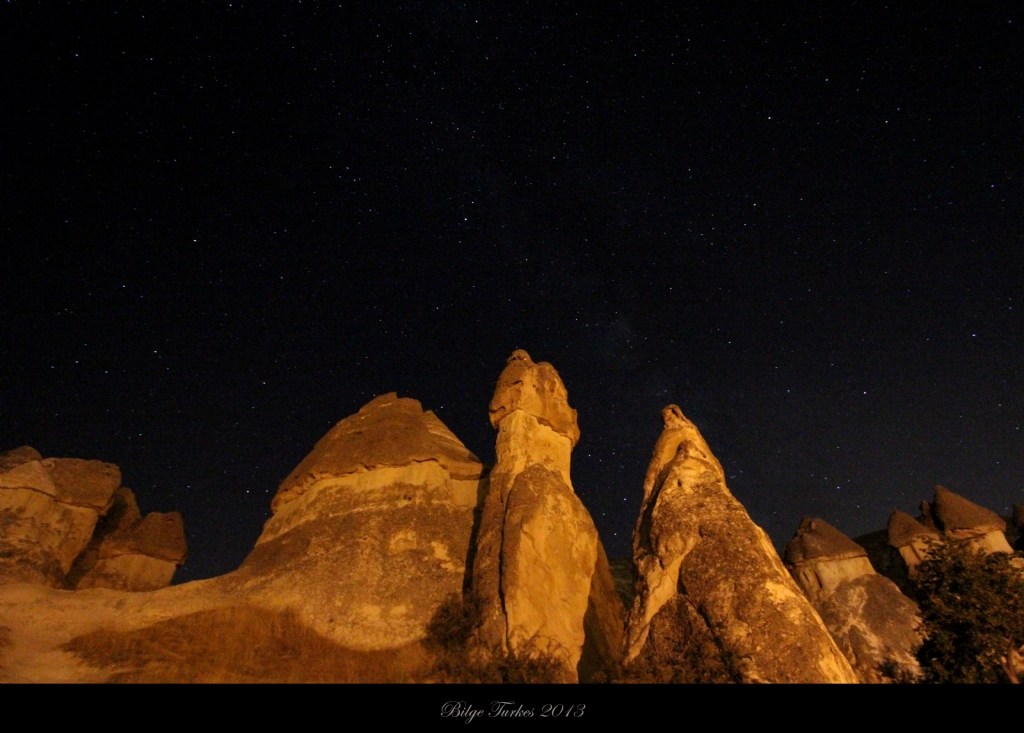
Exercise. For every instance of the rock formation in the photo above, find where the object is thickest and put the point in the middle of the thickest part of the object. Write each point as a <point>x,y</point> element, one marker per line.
<point>911,538</point>
<point>371,532</point>
<point>537,573</point>
<point>129,552</point>
<point>1017,522</point>
<point>821,558</point>
<point>704,564</point>
<point>870,619</point>
<point>48,510</point>
<point>603,622</point>
<point>959,518</point>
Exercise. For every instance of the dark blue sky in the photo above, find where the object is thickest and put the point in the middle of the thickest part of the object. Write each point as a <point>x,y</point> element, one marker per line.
<point>222,232</point>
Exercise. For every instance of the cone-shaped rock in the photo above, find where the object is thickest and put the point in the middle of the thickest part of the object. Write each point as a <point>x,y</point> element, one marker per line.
<point>904,529</point>
<point>534,571</point>
<point>371,532</point>
<point>695,547</point>
<point>816,539</point>
<point>48,511</point>
<point>870,619</point>
<point>911,538</point>
<point>959,518</point>
<point>821,558</point>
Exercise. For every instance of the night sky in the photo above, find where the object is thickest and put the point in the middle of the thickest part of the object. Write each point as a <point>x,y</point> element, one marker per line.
<point>223,232</point>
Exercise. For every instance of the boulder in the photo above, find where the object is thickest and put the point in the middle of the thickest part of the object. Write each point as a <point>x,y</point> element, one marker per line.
<point>959,518</point>
<point>536,571</point>
<point>695,540</point>
<point>870,619</point>
<point>48,510</point>
<point>131,553</point>
<point>120,517</point>
<point>16,456</point>
<point>370,534</point>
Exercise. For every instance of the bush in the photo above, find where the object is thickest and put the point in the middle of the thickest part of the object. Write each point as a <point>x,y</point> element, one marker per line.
<point>450,638</point>
<point>681,649</point>
<point>972,612</point>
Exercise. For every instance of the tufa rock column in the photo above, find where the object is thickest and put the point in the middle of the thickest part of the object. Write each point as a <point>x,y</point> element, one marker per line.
<point>537,546</point>
<point>371,532</point>
<point>704,567</point>
<point>872,621</point>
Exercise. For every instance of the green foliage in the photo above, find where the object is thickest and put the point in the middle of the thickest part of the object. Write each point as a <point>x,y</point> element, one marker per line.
<point>972,610</point>
<point>450,638</point>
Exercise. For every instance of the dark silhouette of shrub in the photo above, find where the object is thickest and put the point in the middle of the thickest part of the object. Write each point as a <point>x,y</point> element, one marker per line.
<point>681,649</point>
<point>972,612</point>
<point>458,659</point>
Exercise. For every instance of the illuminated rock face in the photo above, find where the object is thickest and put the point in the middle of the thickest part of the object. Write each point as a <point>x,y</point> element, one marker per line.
<point>536,570</point>
<point>371,532</point>
<point>695,546</point>
<point>48,510</point>
<point>911,538</point>
<point>129,552</point>
<point>869,618</point>
<point>959,518</point>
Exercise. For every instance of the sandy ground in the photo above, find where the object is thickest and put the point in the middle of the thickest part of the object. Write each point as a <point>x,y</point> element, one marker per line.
<point>42,619</point>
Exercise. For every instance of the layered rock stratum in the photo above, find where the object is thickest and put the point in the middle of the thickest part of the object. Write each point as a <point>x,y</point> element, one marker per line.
<point>703,564</point>
<point>962,519</point>
<point>911,538</point>
<point>869,618</point>
<point>541,577</point>
<point>369,536</point>
<point>371,532</point>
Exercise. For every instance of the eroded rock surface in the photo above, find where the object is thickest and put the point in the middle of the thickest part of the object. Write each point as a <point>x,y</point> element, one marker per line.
<point>960,518</point>
<point>870,619</point>
<point>911,538</point>
<point>371,532</point>
<point>534,571</point>
<point>695,540</point>
<point>821,558</point>
<point>603,623</point>
<point>129,552</point>
<point>48,510</point>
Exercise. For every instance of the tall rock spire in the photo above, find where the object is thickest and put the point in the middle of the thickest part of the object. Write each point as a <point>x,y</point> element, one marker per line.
<point>537,547</point>
<point>703,564</point>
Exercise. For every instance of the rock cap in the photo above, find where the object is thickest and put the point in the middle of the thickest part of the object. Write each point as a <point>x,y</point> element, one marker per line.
<point>953,512</point>
<point>904,529</point>
<point>816,539</point>
<point>387,431</point>
<point>536,389</point>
